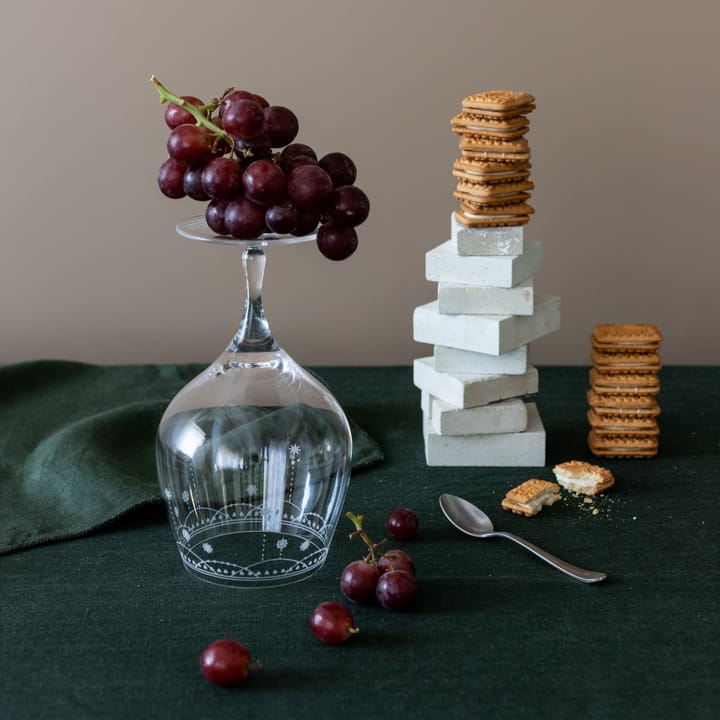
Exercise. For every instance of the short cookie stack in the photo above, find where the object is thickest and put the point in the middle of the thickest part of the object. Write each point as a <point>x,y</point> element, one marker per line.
<point>493,171</point>
<point>487,312</point>
<point>623,385</point>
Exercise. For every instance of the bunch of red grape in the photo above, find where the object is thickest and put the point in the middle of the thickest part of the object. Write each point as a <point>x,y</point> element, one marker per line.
<point>238,154</point>
<point>388,580</point>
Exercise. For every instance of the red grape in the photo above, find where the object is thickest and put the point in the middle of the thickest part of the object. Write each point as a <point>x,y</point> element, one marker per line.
<point>358,581</point>
<point>243,119</point>
<point>332,623</point>
<point>261,101</point>
<point>281,124</point>
<point>192,184</point>
<point>244,219</point>
<point>215,216</point>
<point>190,145</point>
<point>170,179</point>
<point>348,206</point>
<point>402,524</point>
<point>264,182</point>
<point>396,560</point>
<point>234,95</point>
<point>297,149</point>
<point>225,662</point>
<point>222,178</point>
<point>257,148</point>
<point>336,243</point>
<point>282,218</point>
<point>396,590</point>
<point>309,187</point>
<point>307,222</point>
<point>340,168</point>
<point>297,161</point>
<point>176,115</point>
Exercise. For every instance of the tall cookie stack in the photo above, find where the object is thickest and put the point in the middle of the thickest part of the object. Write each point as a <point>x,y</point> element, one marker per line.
<point>493,171</point>
<point>623,387</point>
<point>486,313</point>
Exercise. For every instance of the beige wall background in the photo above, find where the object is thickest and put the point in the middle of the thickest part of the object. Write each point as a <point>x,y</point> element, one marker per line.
<point>626,162</point>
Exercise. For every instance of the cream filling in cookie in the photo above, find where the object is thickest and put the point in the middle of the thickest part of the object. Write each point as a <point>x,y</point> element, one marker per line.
<point>472,216</point>
<point>577,484</point>
<point>484,128</point>
<point>543,499</point>
<point>491,175</point>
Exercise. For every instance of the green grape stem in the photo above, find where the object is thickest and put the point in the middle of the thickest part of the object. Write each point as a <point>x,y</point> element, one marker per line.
<point>357,521</point>
<point>197,112</point>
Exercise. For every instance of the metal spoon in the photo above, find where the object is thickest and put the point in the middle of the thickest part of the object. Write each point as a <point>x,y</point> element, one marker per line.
<point>471,520</point>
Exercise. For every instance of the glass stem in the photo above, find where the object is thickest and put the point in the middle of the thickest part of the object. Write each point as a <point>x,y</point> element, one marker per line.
<point>254,334</point>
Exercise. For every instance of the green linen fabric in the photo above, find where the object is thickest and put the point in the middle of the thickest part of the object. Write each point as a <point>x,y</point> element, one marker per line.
<point>111,625</point>
<point>77,445</point>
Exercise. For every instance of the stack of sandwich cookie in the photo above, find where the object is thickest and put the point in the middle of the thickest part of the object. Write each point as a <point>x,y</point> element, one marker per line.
<point>493,171</point>
<point>623,388</point>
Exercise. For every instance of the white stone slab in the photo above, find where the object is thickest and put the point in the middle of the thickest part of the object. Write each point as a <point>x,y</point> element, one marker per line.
<point>459,299</point>
<point>465,391</point>
<point>452,360</point>
<point>524,449</point>
<point>492,334</point>
<point>486,241</point>
<point>504,416</point>
<point>443,264</point>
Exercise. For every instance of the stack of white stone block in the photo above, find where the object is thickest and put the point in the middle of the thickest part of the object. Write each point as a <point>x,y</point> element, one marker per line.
<point>486,313</point>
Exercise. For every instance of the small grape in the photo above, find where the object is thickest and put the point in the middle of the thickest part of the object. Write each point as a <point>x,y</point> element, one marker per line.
<point>234,95</point>
<point>339,167</point>
<point>190,145</point>
<point>264,182</point>
<point>358,581</point>
<point>336,243</point>
<point>309,187</point>
<point>256,149</point>
<point>348,206</point>
<point>176,115</point>
<point>282,218</point>
<point>222,178</point>
<point>332,623</point>
<point>307,222</point>
<point>243,119</point>
<point>396,560</point>
<point>402,524</point>
<point>215,216</point>
<point>192,184</point>
<point>170,179</point>
<point>297,149</point>
<point>281,124</point>
<point>297,161</point>
<point>261,101</point>
<point>244,219</point>
<point>396,590</point>
<point>225,662</point>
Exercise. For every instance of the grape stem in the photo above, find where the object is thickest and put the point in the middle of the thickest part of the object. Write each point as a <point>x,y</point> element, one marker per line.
<point>197,112</point>
<point>357,521</point>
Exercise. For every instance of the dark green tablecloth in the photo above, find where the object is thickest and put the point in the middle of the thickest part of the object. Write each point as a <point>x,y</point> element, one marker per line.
<point>110,625</point>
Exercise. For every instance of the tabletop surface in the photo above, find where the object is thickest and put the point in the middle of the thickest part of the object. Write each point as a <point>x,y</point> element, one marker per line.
<point>110,625</point>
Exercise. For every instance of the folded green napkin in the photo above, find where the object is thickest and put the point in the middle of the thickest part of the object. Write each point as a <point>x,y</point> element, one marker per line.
<point>77,445</point>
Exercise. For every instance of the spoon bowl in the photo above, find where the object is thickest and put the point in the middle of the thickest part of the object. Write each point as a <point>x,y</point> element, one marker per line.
<point>472,521</point>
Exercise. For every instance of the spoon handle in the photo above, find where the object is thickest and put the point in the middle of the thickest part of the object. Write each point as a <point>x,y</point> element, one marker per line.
<point>586,576</point>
